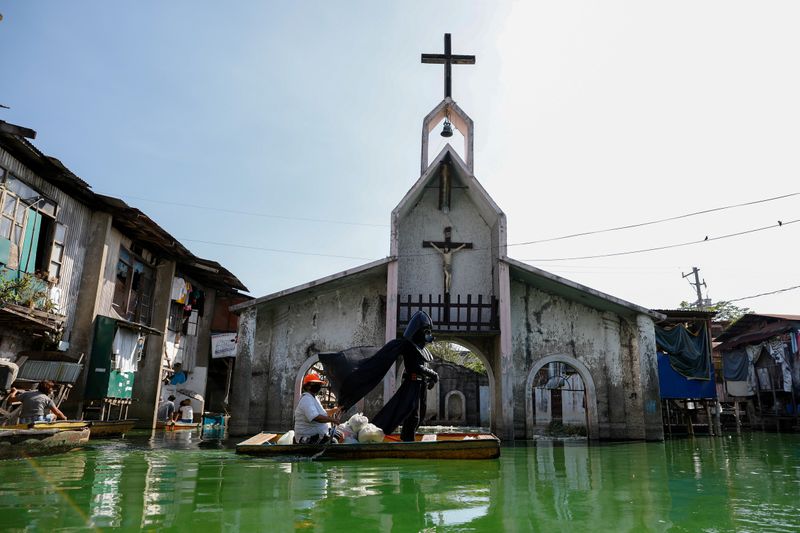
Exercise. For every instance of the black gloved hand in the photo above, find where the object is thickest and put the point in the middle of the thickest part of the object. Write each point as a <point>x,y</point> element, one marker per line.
<point>433,378</point>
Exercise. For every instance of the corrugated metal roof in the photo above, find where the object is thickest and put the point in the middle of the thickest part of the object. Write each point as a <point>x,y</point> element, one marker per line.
<point>137,225</point>
<point>685,314</point>
<point>130,220</point>
<point>754,327</point>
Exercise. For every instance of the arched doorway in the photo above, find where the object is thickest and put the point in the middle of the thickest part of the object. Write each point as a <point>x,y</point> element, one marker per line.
<point>312,365</point>
<point>463,395</point>
<point>560,398</point>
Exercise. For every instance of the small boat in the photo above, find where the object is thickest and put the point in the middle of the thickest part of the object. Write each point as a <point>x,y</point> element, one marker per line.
<point>18,443</point>
<point>439,446</point>
<point>58,424</point>
<point>177,426</point>
<point>111,428</point>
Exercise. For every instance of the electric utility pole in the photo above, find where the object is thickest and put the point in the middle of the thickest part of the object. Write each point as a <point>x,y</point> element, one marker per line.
<point>697,283</point>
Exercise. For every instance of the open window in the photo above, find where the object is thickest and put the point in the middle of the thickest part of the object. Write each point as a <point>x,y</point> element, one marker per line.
<point>133,289</point>
<point>27,228</point>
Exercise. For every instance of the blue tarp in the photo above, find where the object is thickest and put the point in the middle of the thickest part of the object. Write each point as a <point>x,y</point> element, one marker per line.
<point>674,385</point>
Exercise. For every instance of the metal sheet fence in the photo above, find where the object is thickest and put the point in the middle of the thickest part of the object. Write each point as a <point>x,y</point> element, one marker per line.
<point>58,371</point>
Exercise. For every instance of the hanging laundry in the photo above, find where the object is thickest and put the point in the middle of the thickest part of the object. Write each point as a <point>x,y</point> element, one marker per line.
<point>197,300</point>
<point>171,347</point>
<point>178,292</point>
<point>776,351</point>
<point>126,350</point>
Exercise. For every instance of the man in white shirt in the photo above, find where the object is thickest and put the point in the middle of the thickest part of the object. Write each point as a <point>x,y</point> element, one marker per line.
<point>311,420</point>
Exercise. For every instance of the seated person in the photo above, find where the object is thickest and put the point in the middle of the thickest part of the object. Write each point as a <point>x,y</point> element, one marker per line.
<point>36,404</point>
<point>311,421</point>
<point>185,412</point>
<point>167,409</point>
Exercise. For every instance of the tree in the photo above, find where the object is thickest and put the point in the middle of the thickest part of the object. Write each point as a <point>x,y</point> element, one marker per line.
<point>452,353</point>
<point>726,311</point>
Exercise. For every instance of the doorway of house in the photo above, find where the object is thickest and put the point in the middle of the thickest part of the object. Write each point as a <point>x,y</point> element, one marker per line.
<point>559,401</point>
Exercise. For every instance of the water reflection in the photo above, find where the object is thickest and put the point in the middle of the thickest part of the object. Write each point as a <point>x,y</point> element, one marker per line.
<point>168,481</point>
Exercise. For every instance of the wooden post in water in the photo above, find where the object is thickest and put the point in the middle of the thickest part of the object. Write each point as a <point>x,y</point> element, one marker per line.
<point>708,416</point>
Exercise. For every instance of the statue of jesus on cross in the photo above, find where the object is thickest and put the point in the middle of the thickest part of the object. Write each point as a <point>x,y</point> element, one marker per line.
<point>447,248</point>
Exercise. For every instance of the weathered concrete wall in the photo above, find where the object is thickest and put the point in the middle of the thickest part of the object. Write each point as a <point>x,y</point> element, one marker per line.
<point>289,331</point>
<point>147,383</point>
<point>607,345</point>
<point>420,269</point>
<point>242,373</point>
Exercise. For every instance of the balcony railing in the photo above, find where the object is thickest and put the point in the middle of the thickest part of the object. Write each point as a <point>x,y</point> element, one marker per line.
<point>466,315</point>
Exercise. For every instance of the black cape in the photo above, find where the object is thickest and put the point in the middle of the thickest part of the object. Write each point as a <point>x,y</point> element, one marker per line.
<point>354,372</point>
<point>400,407</point>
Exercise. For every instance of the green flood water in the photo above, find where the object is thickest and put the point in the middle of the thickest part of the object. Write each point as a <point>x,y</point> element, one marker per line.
<point>170,482</point>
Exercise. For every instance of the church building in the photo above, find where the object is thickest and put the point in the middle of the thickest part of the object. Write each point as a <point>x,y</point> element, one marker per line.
<point>536,333</point>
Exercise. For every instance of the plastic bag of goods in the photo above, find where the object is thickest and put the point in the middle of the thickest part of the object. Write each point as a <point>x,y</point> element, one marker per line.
<point>348,435</point>
<point>357,421</point>
<point>287,438</point>
<point>370,433</point>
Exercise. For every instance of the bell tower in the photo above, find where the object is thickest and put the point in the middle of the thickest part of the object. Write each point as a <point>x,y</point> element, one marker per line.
<point>447,109</point>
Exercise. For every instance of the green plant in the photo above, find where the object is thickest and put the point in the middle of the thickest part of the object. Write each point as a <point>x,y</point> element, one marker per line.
<point>726,311</point>
<point>26,290</point>
<point>451,353</point>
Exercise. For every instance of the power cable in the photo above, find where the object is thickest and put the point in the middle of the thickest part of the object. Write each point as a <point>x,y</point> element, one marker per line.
<point>295,252</point>
<point>367,224</point>
<point>763,294</point>
<point>254,213</point>
<point>615,254</point>
<point>658,221</point>
<point>689,243</point>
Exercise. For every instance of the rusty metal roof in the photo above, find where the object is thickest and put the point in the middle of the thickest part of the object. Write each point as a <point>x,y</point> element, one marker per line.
<point>131,221</point>
<point>46,167</point>
<point>31,321</point>
<point>142,229</point>
<point>682,315</point>
<point>754,327</point>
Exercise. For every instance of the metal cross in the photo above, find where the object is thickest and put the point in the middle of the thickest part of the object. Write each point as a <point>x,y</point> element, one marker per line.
<point>447,59</point>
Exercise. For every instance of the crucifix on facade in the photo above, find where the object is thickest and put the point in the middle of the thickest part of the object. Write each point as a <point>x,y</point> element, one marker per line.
<point>447,248</point>
<point>448,59</point>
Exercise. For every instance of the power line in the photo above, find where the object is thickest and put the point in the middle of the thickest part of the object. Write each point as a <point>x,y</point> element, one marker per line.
<point>367,224</point>
<point>763,294</point>
<point>295,252</point>
<point>707,239</point>
<point>254,213</point>
<point>316,254</point>
<point>658,221</point>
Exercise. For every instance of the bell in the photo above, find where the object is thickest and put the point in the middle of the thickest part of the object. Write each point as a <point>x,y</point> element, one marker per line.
<point>447,130</point>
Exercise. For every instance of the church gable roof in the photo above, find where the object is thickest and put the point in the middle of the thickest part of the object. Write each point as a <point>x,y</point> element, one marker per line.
<point>488,209</point>
<point>571,290</point>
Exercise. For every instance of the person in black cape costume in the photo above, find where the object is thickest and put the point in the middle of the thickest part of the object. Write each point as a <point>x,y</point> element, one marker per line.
<point>352,376</point>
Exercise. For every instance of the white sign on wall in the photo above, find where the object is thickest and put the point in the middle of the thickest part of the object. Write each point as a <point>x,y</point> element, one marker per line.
<point>223,345</point>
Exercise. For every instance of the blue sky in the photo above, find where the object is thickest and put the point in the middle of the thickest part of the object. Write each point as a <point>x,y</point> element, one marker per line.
<point>588,115</point>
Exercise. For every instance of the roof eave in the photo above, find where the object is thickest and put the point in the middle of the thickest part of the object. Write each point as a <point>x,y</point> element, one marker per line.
<point>361,269</point>
<point>577,288</point>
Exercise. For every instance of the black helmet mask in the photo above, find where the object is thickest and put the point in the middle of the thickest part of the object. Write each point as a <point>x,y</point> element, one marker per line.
<point>419,329</point>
